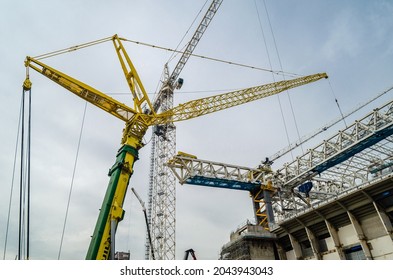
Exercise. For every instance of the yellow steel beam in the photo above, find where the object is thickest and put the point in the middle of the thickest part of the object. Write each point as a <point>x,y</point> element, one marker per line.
<point>203,106</point>
<point>83,90</point>
<point>138,91</point>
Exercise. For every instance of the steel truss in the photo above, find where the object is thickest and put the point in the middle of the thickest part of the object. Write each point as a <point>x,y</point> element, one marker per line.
<point>162,184</point>
<point>349,159</point>
<point>345,161</point>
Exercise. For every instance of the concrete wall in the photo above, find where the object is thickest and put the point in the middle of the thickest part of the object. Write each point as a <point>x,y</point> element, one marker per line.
<point>261,250</point>
<point>347,235</point>
<point>290,255</point>
<point>372,227</point>
<point>372,236</point>
<point>382,248</point>
<point>331,253</point>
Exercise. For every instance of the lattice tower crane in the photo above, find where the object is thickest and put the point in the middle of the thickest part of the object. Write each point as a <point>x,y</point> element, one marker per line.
<point>162,183</point>
<point>137,120</point>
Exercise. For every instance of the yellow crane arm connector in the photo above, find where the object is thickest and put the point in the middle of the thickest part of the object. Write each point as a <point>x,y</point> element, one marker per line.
<point>96,97</point>
<point>203,106</point>
<point>142,102</point>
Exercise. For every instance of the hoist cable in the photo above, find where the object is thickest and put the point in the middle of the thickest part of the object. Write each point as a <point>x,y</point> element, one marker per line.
<point>24,190</point>
<point>71,49</point>
<point>281,68</point>
<point>28,161</point>
<point>72,181</point>
<point>215,59</point>
<point>271,67</point>
<point>338,105</point>
<point>12,181</point>
<point>96,42</point>
<point>173,55</point>
<point>21,177</point>
<point>24,214</point>
<point>324,128</point>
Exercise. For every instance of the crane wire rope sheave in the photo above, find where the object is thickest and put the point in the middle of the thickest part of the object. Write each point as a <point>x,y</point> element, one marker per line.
<point>136,124</point>
<point>162,183</point>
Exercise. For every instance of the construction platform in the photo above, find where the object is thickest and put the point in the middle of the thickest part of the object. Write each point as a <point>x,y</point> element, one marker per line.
<point>250,242</point>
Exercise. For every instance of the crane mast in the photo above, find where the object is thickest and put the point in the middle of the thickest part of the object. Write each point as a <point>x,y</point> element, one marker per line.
<point>162,183</point>
<point>137,120</point>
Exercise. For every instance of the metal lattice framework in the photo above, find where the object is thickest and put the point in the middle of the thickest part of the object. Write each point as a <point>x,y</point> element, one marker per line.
<point>191,170</point>
<point>162,183</point>
<point>349,159</point>
<point>343,150</point>
<point>162,196</point>
<point>355,156</point>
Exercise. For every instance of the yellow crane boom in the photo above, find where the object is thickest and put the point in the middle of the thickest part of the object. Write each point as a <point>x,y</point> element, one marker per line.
<point>204,106</point>
<point>82,90</point>
<point>137,121</point>
<point>188,110</point>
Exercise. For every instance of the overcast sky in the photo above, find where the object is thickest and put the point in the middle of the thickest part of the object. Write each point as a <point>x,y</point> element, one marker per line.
<point>351,40</point>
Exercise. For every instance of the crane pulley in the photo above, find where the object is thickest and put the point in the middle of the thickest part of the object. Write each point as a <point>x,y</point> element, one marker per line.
<point>137,120</point>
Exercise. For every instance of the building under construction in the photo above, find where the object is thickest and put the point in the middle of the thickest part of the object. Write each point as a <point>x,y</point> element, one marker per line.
<point>333,202</point>
<point>355,225</point>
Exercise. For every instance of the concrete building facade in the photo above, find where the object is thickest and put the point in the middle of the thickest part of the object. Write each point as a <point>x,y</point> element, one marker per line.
<point>354,225</point>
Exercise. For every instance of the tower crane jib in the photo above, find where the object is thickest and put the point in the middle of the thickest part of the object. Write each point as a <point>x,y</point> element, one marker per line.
<point>188,51</point>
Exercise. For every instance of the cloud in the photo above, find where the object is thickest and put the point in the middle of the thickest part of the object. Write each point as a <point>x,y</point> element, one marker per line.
<point>343,40</point>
